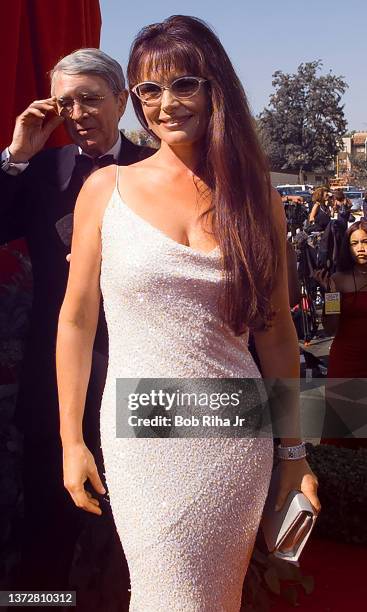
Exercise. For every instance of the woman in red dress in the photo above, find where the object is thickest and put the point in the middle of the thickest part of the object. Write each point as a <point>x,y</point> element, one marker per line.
<point>348,357</point>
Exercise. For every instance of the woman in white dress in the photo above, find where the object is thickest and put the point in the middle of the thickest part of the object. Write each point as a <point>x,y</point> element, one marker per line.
<point>188,250</point>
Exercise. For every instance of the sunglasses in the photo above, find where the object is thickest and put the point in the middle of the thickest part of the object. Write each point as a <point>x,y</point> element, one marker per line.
<point>90,103</point>
<point>183,88</point>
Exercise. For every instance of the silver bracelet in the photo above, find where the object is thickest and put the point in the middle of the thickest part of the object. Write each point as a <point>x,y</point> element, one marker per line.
<point>291,453</point>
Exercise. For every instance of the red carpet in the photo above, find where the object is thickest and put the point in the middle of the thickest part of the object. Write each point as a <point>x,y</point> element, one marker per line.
<point>340,573</point>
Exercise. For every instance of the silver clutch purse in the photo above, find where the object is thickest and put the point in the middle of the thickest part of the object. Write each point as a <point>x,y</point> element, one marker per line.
<point>286,531</point>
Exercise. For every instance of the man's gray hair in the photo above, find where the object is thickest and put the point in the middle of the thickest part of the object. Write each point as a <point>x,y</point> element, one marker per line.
<point>91,61</point>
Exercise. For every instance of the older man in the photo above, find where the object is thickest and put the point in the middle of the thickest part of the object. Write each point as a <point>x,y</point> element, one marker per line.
<point>39,189</point>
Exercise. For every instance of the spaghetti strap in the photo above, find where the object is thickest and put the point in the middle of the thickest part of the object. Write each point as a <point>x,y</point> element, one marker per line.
<point>117,177</point>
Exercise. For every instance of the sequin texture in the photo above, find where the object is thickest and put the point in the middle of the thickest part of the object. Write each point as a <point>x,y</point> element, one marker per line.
<point>186,510</point>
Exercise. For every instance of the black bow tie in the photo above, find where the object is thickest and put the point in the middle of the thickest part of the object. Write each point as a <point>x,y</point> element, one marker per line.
<point>86,164</point>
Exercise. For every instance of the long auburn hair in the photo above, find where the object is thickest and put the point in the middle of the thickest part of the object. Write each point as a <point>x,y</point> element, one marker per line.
<point>232,163</point>
<point>318,195</point>
<point>346,262</point>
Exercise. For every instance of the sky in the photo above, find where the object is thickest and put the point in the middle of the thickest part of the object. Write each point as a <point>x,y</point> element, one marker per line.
<point>261,36</point>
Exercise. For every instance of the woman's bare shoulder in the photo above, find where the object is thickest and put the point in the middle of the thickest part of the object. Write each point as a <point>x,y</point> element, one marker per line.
<point>276,202</point>
<point>142,178</point>
<point>102,179</point>
<point>275,195</point>
<point>278,212</point>
<point>95,194</point>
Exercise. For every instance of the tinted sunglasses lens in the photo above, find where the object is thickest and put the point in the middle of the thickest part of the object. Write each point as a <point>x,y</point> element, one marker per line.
<point>185,87</point>
<point>149,91</point>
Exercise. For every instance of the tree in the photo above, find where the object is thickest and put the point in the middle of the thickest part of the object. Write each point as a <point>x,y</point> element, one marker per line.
<point>304,124</point>
<point>141,137</point>
<point>359,169</point>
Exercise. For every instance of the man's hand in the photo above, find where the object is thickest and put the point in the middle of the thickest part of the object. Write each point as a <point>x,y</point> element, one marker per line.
<point>32,129</point>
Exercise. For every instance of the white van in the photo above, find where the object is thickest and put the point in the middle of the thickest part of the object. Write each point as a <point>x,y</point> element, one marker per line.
<point>291,189</point>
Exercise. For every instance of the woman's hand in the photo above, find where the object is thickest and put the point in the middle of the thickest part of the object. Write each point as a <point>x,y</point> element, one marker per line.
<point>79,465</point>
<point>297,475</point>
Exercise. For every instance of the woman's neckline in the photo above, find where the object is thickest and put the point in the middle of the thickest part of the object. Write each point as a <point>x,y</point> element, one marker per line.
<point>184,247</point>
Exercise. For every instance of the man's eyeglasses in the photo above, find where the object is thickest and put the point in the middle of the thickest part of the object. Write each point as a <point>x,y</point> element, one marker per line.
<point>182,88</point>
<point>90,103</point>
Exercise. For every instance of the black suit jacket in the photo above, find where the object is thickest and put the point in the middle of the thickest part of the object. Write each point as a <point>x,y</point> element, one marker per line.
<point>30,205</point>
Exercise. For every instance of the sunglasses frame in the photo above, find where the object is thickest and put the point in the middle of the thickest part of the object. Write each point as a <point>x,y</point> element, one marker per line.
<point>98,98</point>
<point>199,80</point>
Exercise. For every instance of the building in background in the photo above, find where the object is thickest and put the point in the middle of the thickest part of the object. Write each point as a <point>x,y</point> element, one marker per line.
<point>351,160</point>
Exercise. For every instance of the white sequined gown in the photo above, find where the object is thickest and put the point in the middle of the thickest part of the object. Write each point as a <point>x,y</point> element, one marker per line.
<point>186,510</point>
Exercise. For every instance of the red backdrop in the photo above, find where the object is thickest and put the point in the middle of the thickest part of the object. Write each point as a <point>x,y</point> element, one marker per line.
<point>34,35</point>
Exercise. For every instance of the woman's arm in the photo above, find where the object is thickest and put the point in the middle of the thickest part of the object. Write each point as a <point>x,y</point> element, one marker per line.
<point>277,347</point>
<point>76,331</point>
<point>278,352</point>
<point>313,212</point>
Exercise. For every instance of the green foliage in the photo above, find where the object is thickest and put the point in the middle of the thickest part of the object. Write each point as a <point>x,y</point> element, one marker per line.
<point>268,576</point>
<point>359,169</point>
<point>141,137</point>
<point>11,490</point>
<point>303,126</point>
<point>15,304</point>
<point>342,476</point>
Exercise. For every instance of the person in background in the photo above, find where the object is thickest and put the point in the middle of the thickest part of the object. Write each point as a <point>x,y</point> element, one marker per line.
<point>347,359</point>
<point>347,354</point>
<point>320,214</point>
<point>39,189</point>
<point>342,207</point>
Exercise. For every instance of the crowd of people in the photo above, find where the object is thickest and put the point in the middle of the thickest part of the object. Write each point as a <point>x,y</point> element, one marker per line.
<point>337,264</point>
<point>320,206</point>
<point>177,252</point>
